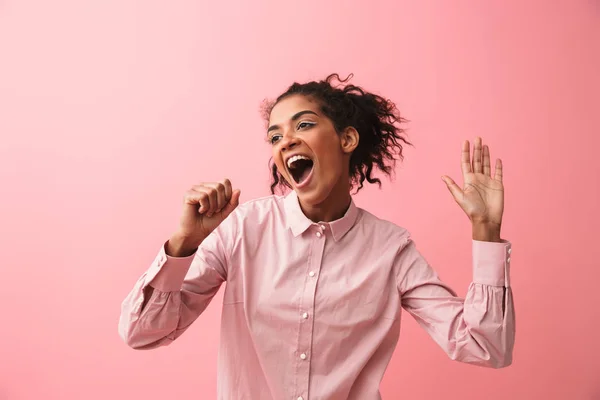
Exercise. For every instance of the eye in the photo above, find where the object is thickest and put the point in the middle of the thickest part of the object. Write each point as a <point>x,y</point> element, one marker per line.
<point>305,124</point>
<point>274,139</point>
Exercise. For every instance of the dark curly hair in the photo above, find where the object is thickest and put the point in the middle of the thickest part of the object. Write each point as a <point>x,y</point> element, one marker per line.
<point>375,118</point>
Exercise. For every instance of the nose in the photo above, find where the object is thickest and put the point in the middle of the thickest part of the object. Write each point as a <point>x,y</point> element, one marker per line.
<point>288,142</point>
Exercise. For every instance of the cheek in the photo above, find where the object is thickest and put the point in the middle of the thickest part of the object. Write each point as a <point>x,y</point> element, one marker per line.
<point>328,146</point>
<point>331,151</point>
<point>332,166</point>
<point>281,168</point>
<point>275,155</point>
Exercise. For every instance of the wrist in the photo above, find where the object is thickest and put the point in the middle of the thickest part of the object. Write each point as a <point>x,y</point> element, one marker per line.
<point>181,245</point>
<point>486,232</point>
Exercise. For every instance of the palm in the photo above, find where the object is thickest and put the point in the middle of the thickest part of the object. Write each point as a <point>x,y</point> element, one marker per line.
<point>482,196</point>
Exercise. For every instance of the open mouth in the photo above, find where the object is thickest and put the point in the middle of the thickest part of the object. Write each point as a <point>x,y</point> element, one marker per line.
<point>300,168</point>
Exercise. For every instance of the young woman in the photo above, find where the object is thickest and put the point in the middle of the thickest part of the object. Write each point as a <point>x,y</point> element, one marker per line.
<point>315,285</point>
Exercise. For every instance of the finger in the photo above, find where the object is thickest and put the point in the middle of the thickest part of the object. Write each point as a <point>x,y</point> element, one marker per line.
<point>477,165</point>
<point>454,189</point>
<point>465,158</point>
<point>498,172</point>
<point>197,196</point>
<point>227,193</point>
<point>221,198</point>
<point>233,203</point>
<point>209,200</point>
<point>487,170</point>
<point>213,196</point>
<point>228,189</point>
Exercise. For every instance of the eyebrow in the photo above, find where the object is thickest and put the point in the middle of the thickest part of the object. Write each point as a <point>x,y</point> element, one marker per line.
<point>294,118</point>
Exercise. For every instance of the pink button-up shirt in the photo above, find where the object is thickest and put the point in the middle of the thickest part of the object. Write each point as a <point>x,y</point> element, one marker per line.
<point>312,310</point>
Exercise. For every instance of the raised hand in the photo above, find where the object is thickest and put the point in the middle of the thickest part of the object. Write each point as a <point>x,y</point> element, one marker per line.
<point>205,207</point>
<point>482,196</point>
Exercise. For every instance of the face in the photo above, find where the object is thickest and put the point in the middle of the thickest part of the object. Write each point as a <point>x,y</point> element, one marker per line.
<point>308,152</point>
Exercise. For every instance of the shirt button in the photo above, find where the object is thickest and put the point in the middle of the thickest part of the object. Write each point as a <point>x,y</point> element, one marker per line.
<point>322,227</point>
<point>509,250</point>
<point>303,356</point>
<point>508,260</point>
<point>319,234</point>
<point>305,315</point>
<point>300,398</point>
<point>311,273</point>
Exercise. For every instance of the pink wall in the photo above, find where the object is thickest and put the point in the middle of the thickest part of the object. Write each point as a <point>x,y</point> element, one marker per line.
<point>110,109</point>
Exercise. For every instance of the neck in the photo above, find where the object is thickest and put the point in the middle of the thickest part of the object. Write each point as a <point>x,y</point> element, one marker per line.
<point>332,208</point>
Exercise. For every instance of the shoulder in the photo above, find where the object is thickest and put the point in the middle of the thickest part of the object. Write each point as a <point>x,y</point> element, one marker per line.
<point>259,206</point>
<point>254,213</point>
<point>249,217</point>
<point>382,229</point>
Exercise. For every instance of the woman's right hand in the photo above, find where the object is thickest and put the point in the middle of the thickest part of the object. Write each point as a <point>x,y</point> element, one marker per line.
<point>205,206</point>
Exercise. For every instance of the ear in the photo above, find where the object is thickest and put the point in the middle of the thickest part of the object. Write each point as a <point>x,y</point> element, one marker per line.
<point>349,139</point>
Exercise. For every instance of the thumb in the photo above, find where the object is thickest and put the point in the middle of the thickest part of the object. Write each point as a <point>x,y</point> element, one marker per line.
<point>233,203</point>
<point>454,189</point>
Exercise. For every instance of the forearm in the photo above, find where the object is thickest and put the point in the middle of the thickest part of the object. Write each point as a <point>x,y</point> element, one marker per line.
<point>485,331</point>
<point>177,246</point>
<point>158,288</point>
<point>479,329</point>
<point>159,308</point>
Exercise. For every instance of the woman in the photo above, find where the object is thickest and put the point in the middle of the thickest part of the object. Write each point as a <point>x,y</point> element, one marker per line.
<point>315,285</point>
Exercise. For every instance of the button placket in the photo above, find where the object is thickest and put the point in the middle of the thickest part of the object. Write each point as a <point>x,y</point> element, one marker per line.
<point>305,339</point>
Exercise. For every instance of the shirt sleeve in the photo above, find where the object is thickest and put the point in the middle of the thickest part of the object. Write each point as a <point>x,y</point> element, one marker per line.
<point>479,329</point>
<point>181,289</point>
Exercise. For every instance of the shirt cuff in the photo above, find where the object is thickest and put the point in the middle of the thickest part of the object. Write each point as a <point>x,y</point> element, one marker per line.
<point>167,273</point>
<point>491,263</point>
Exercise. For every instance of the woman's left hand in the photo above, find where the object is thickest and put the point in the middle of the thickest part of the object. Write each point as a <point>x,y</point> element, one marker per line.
<point>482,197</point>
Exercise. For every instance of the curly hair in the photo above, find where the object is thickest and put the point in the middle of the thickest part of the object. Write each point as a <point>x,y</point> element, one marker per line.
<point>375,118</point>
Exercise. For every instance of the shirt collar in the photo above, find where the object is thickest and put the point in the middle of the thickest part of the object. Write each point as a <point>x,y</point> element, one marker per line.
<point>299,223</point>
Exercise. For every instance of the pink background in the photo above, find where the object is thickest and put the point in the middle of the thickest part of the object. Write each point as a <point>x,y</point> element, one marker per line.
<point>110,109</point>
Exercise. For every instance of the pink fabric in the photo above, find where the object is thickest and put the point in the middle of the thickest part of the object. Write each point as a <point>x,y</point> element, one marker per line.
<point>312,311</point>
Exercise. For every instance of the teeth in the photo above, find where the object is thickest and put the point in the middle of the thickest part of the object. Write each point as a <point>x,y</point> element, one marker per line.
<point>292,159</point>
